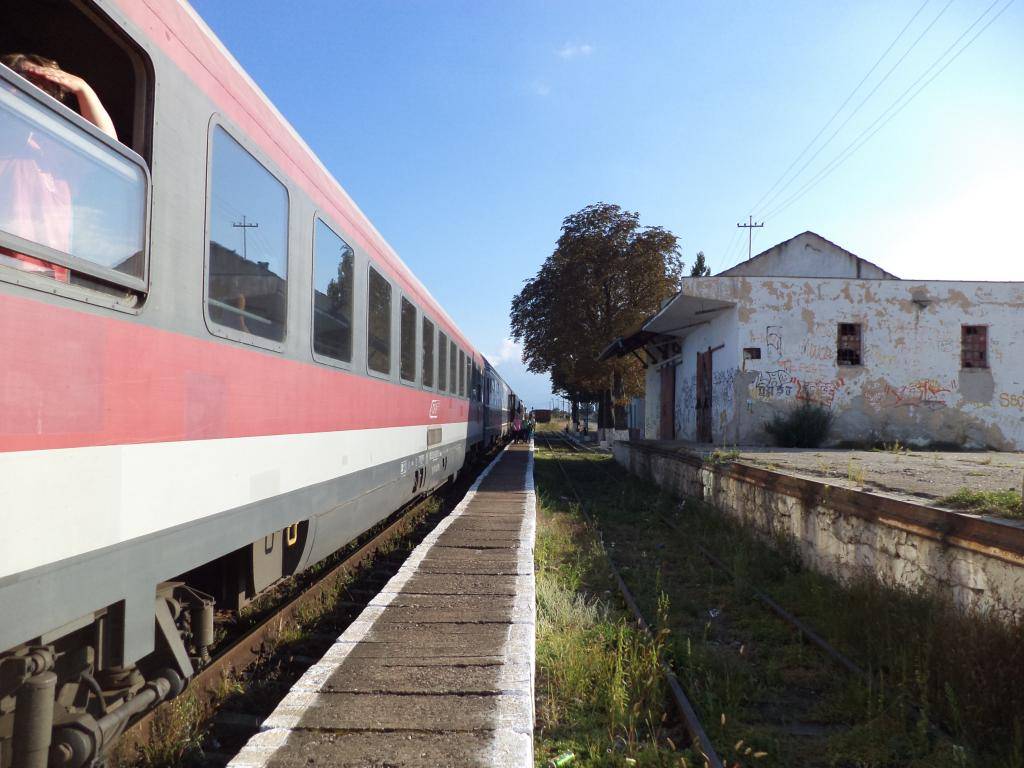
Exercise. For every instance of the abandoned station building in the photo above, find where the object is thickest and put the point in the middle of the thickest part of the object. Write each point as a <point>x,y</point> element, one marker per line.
<point>927,363</point>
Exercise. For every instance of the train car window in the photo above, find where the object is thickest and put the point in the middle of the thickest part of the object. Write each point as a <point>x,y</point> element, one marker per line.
<point>86,43</point>
<point>453,366</point>
<point>74,202</point>
<point>247,289</point>
<point>333,281</point>
<point>378,326</point>
<point>428,353</point>
<point>462,373</point>
<point>407,346</point>
<point>442,362</point>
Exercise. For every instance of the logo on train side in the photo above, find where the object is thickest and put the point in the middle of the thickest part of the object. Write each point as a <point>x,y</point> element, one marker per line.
<point>435,408</point>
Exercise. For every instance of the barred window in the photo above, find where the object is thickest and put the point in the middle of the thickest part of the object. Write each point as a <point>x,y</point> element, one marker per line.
<point>848,345</point>
<point>974,346</point>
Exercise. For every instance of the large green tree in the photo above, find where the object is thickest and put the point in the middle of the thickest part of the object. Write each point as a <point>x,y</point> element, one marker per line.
<point>606,275</point>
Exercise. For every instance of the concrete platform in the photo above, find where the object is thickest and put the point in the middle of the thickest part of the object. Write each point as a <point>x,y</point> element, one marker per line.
<point>438,670</point>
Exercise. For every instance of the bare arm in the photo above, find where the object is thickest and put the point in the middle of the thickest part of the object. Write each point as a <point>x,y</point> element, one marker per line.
<point>89,103</point>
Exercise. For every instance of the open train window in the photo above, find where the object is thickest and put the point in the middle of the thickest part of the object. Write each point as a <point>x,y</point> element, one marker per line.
<point>73,215</point>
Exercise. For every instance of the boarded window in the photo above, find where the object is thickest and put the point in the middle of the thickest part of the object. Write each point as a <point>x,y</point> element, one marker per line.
<point>974,346</point>
<point>442,362</point>
<point>428,353</point>
<point>848,345</point>
<point>407,350</point>
<point>751,353</point>
<point>378,326</point>
<point>333,262</point>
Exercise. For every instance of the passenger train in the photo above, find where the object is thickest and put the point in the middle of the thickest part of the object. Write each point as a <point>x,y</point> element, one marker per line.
<point>214,371</point>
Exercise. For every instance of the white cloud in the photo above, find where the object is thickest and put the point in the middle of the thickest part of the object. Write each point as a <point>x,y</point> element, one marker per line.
<point>541,88</point>
<point>508,352</point>
<point>574,50</point>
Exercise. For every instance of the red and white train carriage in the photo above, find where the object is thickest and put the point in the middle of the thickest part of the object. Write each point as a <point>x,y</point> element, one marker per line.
<point>213,369</point>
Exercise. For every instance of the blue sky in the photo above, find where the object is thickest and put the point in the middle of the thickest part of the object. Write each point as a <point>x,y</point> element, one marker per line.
<point>468,130</point>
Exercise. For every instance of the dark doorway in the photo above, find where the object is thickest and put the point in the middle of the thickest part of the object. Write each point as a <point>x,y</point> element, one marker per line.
<point>704,389</point>
<point>666,428</point>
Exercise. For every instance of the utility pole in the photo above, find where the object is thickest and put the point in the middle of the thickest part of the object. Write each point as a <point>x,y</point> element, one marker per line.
<point>244,226</point>
<point>750,226</point>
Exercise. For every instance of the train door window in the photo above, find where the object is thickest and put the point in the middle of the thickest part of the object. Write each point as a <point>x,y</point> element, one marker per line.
<point>378,325</point>
<point>247,267</point>
<point>407,342</point>
<point>453,368</point>
<point>428,353</point>
<point>333,292</point>
<point>442,362</point>
<point>462,373</point>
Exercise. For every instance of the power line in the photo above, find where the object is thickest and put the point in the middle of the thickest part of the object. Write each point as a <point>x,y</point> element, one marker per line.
<point>863,101</point>
<point>841,106</point>
<point>868,133</point>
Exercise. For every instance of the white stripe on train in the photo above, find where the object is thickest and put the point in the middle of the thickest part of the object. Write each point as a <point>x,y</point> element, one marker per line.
<point>65,502</point>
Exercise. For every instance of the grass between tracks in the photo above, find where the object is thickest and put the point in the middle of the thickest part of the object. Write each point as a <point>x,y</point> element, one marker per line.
<point>944,688</point>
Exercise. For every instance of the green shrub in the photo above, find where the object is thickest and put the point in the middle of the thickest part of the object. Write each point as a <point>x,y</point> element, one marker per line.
<point>806,426</point>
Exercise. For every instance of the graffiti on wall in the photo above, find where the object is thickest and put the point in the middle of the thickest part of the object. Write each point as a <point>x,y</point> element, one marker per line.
<point>782,385</point>
<point>773,341</point>
<point>722,387</point>
<point>1006,400</point>
<point>821,392</point>
<point>817,351</point>
<point>774,385</point>
<point>924,393</point>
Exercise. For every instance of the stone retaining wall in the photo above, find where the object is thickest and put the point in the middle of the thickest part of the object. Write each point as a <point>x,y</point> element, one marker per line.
<point>843,532</point>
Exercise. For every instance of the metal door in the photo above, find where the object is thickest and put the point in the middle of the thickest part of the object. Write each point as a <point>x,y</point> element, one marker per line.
<point>667,426</point>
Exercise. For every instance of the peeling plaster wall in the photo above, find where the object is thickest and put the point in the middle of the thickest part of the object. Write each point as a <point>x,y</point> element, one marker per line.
<point>808,255</point>
<point>719,330</point>
<point>910,386</point>
<point>840,545</point>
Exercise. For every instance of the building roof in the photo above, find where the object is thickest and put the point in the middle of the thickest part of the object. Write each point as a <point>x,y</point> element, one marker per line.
<point>808,255</point>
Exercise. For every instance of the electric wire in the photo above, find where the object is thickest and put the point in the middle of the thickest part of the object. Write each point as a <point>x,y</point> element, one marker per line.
<point>857,109</point>
<point>842,106</point>
<point>895,108</point>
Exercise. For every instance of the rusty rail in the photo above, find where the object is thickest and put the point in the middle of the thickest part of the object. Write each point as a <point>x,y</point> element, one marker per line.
<point>693,725</point>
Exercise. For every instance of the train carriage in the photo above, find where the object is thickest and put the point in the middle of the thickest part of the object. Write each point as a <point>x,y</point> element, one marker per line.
<point>215,370</point>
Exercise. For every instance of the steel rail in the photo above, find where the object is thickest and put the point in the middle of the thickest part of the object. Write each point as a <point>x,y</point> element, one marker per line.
<point>686,710</point>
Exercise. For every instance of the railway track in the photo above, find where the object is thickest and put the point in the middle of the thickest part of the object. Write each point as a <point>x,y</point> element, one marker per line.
<point>250,671</point>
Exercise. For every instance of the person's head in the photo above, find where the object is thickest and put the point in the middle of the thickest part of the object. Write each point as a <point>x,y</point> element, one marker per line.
<point>22,64</point>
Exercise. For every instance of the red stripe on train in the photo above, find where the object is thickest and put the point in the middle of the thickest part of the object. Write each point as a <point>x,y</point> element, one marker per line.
<point>70,379</point>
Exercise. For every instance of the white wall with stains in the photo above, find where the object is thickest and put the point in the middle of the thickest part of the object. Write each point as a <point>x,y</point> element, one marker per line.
<point>909,387</point>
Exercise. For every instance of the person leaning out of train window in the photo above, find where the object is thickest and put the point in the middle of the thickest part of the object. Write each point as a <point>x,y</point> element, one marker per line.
<point>47,75</point>
<point>38,202</point>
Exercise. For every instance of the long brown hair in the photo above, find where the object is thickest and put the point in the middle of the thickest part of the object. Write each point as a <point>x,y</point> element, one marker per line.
<point>17,62</point>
